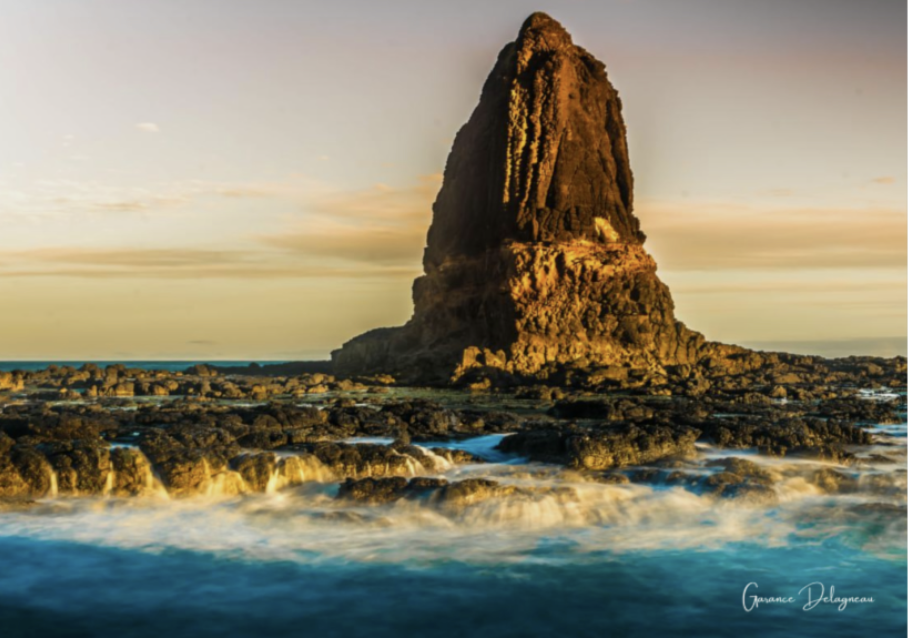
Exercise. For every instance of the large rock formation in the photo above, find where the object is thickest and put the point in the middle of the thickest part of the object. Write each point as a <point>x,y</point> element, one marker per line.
<point>535,260</point>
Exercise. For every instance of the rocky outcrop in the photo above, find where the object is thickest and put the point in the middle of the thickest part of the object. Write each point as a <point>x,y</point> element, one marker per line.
<point>605,448</point>
<point>535,260</point>
<point>440,492</point>
<point>10,382</point>
<point>178,447</point>
<point>543,157</point>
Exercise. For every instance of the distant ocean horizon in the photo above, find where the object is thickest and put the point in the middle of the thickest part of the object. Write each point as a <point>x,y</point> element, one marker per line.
<point>833,348</point>
<point>170,365</point>
<point>870,346</point>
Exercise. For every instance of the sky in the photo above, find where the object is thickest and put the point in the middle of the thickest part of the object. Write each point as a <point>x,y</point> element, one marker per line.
<point>225,179</point>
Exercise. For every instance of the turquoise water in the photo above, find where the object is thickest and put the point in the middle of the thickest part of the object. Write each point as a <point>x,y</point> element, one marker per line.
<point>564,557</point>
<point>69,589</point>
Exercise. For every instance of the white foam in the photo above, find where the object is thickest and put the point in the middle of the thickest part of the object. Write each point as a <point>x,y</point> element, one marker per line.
<point>298,518</point>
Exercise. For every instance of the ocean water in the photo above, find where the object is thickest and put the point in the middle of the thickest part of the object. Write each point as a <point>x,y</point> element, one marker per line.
<point>565,557</point>
<point>170,366</point>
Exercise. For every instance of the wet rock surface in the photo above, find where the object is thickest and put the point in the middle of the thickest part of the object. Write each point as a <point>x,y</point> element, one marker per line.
<point>441,493</point>
<point>605,448</point>
<point>204,444</point>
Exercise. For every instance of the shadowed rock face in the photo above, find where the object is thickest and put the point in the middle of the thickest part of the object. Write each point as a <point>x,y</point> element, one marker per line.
<point>534,259</point>
<point>543,158</point>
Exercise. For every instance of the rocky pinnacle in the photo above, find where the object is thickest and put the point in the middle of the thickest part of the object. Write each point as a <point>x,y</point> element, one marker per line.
<point>534,261</point>
<point>544,156</point>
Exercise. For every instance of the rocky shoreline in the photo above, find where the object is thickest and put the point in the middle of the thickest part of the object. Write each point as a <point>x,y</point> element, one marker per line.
<point>540,316</point>
<point>121,432</point>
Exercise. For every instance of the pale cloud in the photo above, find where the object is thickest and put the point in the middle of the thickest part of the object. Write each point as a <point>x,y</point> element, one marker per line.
<point>374,232</point>
<point>118,207</point>
<point>381,230</point>
<point>241,272</point>
<point>241,192</point>
<point>148,127</point>
<point>741,272</point>
<point>782,284</point>
<point>709,236</point>
<point>180,263</point>
<point>883,180</point>
<point>780,192</point>
<point>380,202</point>
<point>60,198</point>
<point>362,244</point>
<point>382,225</point>
<point>135,257</point>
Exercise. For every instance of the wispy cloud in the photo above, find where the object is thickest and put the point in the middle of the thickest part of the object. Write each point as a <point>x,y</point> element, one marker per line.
<point>381,225</point>
<point>780,192</point>
<point>883,180</point>
<point>180,263</point>
<point>782,284</point>
<point>241,192</point>
<point>119,207</point>
<point>715,236</point>
<point>366,245</point>
<point>378,231</point>
<point>148,127</point>
<point>62,198</point>
<point>136,257</point>
<point>380,202</point>
<point>381,231</point>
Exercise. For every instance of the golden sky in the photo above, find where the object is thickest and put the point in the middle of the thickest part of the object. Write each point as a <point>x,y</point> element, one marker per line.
<point>214,180</point>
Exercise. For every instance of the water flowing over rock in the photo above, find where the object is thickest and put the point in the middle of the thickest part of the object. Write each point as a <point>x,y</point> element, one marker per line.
<point>535,260</point>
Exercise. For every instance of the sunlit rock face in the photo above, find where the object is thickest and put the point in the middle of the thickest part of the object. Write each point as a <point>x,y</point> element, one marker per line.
<point>543,158</point>
<point>535,260</point>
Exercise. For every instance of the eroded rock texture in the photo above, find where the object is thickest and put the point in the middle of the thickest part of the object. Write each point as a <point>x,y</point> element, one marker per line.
<point>535,260</point>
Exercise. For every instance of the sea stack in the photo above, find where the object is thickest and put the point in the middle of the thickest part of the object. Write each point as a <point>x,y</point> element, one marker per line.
<point>535,261</point>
